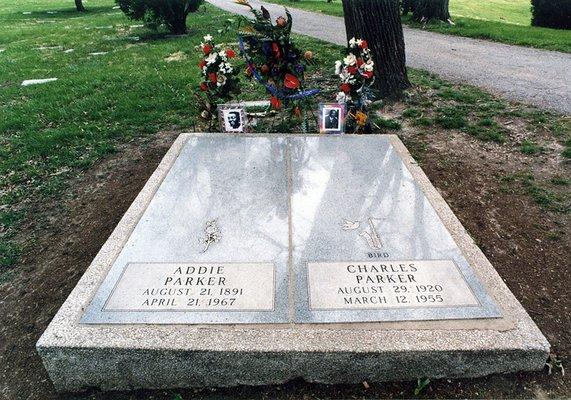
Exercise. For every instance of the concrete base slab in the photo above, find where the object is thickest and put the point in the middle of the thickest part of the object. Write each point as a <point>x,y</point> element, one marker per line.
<point>122,356</point>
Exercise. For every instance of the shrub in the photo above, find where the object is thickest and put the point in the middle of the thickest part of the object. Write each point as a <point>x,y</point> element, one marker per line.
<point>551,13</point>
<point>171,13</point>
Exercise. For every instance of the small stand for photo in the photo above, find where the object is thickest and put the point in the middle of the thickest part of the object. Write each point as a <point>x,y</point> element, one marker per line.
<point>332,118</point>
<point>232,118</point>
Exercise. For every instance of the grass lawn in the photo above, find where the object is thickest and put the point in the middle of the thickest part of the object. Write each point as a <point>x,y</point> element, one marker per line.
<point>507,21</point>
<point>50,132</point>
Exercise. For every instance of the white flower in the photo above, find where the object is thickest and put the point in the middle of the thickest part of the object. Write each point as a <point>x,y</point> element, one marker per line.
<point>345,76</point>
<point>220,80</point>
<point>352,42</point>
<point>211,58</point>
<point>226,68</point>
<point>369,66</point>
<point>350,59</point>
<point>338,67</point>
<point>208,38</point>
<point>359,42</point>
<point>342,97</point>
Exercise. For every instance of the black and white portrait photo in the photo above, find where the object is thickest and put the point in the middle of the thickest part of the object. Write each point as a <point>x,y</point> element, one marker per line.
<point>332,116</point>
<point>232,118</point>
<point>331,119</point>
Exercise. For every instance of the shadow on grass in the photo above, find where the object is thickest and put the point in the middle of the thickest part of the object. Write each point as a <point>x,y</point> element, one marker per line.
<point>163,34</point>
<point>63,13</point>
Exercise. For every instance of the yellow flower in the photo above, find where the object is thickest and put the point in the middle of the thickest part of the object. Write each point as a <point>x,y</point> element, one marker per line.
<point>361,118</point>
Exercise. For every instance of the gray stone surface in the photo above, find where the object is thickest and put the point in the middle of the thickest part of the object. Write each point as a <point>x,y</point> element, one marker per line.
<point>241,183</point>
<point>538,77</point>
<point>127,356</point>
<point>348,200</point>
<point>348,193</point>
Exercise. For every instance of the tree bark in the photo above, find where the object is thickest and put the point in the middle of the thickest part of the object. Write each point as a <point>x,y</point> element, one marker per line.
<point>79,5</point>
<point>378,22</point>
<point>177,12</point>
<point>425,10</point>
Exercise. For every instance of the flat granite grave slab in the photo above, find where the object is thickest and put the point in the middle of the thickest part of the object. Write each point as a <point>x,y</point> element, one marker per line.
<point>260,259</point>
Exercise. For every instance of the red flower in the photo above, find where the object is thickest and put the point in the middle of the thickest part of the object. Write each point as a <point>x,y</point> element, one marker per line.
<point>275,102</point>
<point>202,64</point>
<point>276,50</point>
<point>346,88</point>
<point>207,49</point>
<point>360,62</point>
<point>212,77</point>
<point>368,74</point>
<point>203,86</point>
<point>364,44</point>
<point>230,53</point>
<point>352,69</point>
<point>291,81</point>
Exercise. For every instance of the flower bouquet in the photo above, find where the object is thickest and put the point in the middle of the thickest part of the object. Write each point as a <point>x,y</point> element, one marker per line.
<point>274,61</point>
<point>220,80</point>
<point>357,75</point>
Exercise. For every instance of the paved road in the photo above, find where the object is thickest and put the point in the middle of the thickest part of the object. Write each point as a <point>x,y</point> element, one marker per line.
<point>538,77</point>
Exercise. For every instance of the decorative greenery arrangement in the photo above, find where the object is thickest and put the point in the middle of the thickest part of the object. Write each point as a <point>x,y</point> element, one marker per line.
<point>219,77</point>
<point>356,72</point>
<point>273,59</point>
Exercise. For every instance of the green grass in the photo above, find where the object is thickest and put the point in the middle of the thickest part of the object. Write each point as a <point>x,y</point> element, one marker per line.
<point>505,11</point>
<point>50,131</point>
<point>544,197</point>
<point>506,21</point>
<point>530,147</point>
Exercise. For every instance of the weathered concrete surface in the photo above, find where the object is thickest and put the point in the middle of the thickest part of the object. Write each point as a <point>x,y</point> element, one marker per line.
<point>79,356</point>
<point>538,77</point>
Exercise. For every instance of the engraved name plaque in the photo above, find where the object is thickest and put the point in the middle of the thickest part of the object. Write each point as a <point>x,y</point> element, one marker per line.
<point>391,284</point>
<point>194,287</point>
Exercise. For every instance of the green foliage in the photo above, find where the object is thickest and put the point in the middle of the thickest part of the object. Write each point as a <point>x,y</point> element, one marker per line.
<point>545,198</point>
<point>493,133</point>
<point>530,147</point>
<point>411,113</point>
<point>559,181</point>
<point>384,123</point>
<point>451,117</point>
<point>421,384</point>
<point>551,13</point>
<point>171,13</point>
<point>422,121</point>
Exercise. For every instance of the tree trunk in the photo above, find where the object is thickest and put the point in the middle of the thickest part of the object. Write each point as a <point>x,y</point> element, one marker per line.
<point>79,5</point>
<point>425,10</point>
<point>176,13</point>
<point>378,22</point>
<point>178,25</point>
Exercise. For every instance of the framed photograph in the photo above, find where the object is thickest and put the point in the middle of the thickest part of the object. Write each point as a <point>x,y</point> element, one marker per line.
<point>232,118</point>
<point>332,118</point>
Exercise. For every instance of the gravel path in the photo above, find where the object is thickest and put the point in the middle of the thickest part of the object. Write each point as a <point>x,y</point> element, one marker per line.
<point>538,77</point>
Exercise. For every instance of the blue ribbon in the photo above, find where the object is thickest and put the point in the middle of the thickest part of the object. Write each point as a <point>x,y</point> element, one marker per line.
<point>274,91</point>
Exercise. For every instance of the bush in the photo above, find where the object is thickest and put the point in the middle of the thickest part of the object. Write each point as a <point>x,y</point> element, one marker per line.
<point>551,13</point>
<point>171,13</point>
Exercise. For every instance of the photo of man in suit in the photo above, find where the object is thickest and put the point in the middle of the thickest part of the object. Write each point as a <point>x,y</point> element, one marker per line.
<point>331,119</point>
